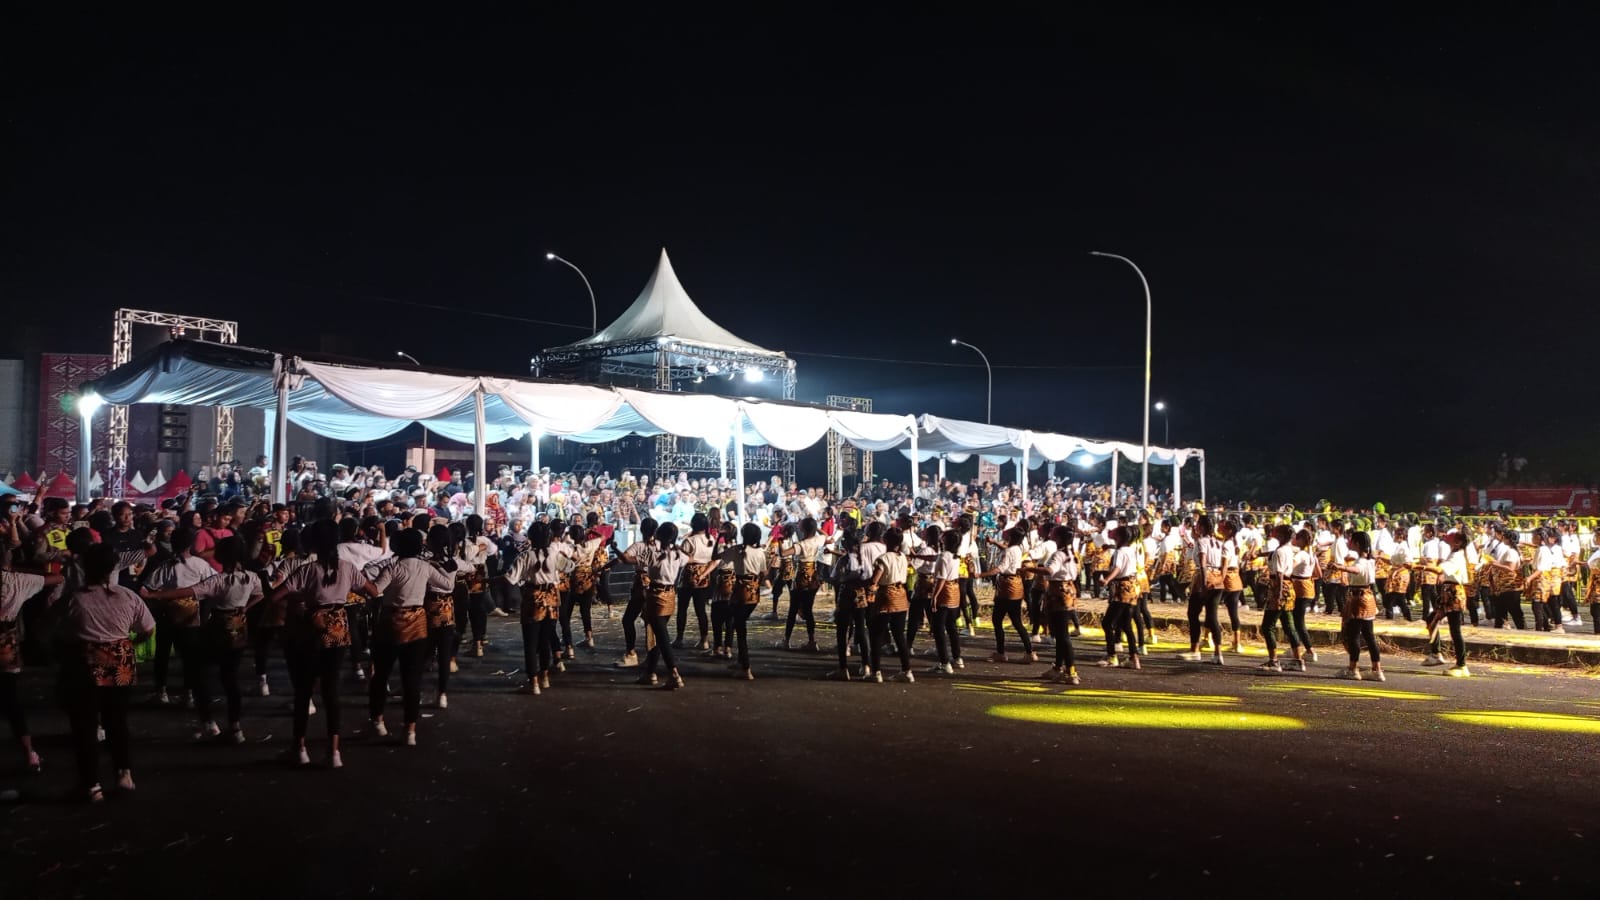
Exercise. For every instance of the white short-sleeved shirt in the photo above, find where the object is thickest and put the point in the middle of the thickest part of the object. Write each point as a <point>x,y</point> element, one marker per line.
<point>1305,564</point>
<point>1455,568</point>
<point>1062,566</point>
<point>228,591</point>
<point>1363,574</point>
<point>1281,562</point>
<point>104,613</point>
<point>747,560</point>
<point>893,565</point>
<point>870,551</point>
<point>1124,563</point>
<point>15,589</point>
<point>947,568</point>
<point>1010,562</point>
<point>309,581</point>
<point>1549,558</point>
<point>545,567</point>
<point>409,581</point>
<point>178,574</point>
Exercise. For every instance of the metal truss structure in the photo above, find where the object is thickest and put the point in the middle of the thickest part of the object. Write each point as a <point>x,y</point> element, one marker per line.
<point>222,331</point>
<point>663,364</point>
<point>842,458</point>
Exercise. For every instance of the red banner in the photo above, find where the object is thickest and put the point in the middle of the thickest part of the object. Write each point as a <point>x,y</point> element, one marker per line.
<point>59,377</point>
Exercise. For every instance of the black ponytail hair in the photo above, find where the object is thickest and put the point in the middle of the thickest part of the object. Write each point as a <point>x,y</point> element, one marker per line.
<point>322,536</point>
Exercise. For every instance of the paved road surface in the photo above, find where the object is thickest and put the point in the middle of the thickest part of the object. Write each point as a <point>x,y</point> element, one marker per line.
<point>1172,781</point>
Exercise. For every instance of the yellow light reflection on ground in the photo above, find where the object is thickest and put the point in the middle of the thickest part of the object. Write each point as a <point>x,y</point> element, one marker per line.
<point>1153,697</point>
<point>1526,721</point>
<point>1111,715</point>
<point>1344,690</point>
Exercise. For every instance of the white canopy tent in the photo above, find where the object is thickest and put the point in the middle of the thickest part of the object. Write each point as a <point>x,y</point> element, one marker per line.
<point>366,402</point>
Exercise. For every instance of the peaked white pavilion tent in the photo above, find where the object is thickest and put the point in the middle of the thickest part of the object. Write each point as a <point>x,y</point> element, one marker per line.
<point>369,402</point>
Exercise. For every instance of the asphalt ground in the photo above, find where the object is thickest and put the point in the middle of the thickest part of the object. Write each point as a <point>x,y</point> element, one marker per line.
<point>1179,779</point>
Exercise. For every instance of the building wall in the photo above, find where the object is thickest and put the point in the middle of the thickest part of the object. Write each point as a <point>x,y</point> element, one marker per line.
<point>16,418</point>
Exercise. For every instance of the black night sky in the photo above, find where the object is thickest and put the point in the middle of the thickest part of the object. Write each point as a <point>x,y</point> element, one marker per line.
<point>1371,239</point>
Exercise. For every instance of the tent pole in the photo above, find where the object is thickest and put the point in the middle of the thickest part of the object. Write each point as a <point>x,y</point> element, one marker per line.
<point>941,468</point>
<point>914,470</point>
<point>1022,483</point>
<point>533,457</point>
<point>722,459</point>
<point>1114,454</point>
<point>738,465</point>
<point>280,436</point>
<point>480,455</point>
<point>1202,478</point>
<point>1178,484</point>
<point>85,452</point>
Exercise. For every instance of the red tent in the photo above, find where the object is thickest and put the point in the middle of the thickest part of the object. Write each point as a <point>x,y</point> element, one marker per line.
<point>178,484</point>
<point>25,483</point>
<point>60,486</point>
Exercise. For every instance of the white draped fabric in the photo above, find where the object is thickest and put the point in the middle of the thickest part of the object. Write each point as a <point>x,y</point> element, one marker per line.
<point>355,403</point>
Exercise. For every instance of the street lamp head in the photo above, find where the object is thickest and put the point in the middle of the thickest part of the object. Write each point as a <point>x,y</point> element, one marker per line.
<point>1161,406</point>
<point>549,256</point>
<point>954,342</point>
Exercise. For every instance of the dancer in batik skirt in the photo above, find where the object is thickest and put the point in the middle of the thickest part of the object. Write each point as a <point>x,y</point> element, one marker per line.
<point>1120,581</point>
<point>1360,606</point>
<point>1452,600</point>
<point>1060,569</point>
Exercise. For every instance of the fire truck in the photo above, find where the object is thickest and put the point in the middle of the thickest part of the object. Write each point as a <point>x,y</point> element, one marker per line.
<point>1528,500</point>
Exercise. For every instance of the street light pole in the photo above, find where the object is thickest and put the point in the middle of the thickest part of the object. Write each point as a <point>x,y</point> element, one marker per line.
<point>988,418</point>
<point>1144,488</point>
<point>594,308</point>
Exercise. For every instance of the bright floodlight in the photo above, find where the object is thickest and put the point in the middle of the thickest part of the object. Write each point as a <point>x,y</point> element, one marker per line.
<point>549,256</point>
<point>88,404</point>
<point>753,374</point>
<point>954,342</point>
<point>1160,406</point>
<point>1437,497</point>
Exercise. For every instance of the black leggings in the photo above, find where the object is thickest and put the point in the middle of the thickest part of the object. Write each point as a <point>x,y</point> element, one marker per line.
<point>885,626</point>
<point>585,604</point>
<point>165,633</point>
<point>802,603</point>
<point>261,640</point>
<point>721,623</point>
<point>1171,589</point>
<point>1037,621</point>
<point>699,597</point>
<point>1058,627</point>
<point>1430,598</point>
<point>969,600</point>
<point>1118,623</point>
<point>11,705</point>
<point>1269,629</point>
<point>1333,598</point>
<point>190,645</point>
<point>740,614</point>
<point>308,666</point>
<point>90,707</point>
<point>1393,601</point>
<point>478,606</point>
<point>227,661</point>
<point>1358,630</point>
<point>1456,643</point>
<point>410,657</point>
<point>444,649</point>
<point>1205,600</point>
<point>851,622</point>
<point>662,648</point>
<point>1006,609</point>
<point>1231,599</point>
<point>538,646</point>
<point>778,584</point>
<point>946,636</point>
<point>1298,622</point>
<point>921,610</point>
<point>1541,614</point>
<point>1509,606</point>
<point>630,615</point>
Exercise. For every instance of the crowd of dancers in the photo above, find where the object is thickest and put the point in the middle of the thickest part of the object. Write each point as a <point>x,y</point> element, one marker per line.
<point>358,594</point>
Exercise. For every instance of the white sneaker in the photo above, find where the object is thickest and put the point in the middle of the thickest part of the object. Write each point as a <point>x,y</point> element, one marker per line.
<point>100,734</point>
<point>971,632</point>
<point>877,677</point>
<point>238,735</point>
<point>1271,666</point>
<point>335,761</point>
<point>1458,672</point>
<point>905,678</point>
<point>1191,656</point>
<point>1432,659</point>
<point>444,701</point>
<point>209,729</point>
<point>544,680</point>
<point>125,780</point>
<point>411,739</point>
<point>1216,659</point>
<point>1377,675</point>
<point>629,660</point>
<point>303,758</point>
<point>312,708</point>
<point>379,729</point>
<point>1109,662</point>
<point>262,687</point>
<point>1351,674</point>
<point>1311,655</point>
<point>961,663</point>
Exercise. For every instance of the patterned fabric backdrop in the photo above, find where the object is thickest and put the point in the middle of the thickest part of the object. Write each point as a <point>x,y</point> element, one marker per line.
<point>59,377</point>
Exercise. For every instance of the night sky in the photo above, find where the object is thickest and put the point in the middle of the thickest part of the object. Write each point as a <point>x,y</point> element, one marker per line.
<point>1371,240</point>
